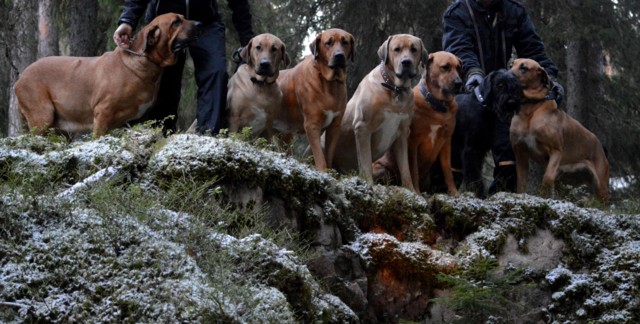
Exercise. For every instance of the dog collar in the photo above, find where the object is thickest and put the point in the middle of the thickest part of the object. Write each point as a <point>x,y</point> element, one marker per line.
<point>550,96</point>
<point>261,82</point>
<point>134,53</point>
<point>388,84</point>
<point>437,105</point>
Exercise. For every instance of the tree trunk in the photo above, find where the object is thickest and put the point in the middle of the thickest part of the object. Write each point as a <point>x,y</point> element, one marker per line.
<point>83,36</point>
<point>585,87</point>
<point>48,35</point>
<point>4,66</point>
<point>22,52</point>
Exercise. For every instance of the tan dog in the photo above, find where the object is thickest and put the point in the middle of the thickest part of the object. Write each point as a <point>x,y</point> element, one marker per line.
<point>378,116</point>
<point>314,93</point>
<point>542,132</point>
<point>433,122</point>
<point>75,94</point>
<point>253,94</point>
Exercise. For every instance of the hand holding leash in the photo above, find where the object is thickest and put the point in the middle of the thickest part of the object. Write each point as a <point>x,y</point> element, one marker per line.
<point>558,91</point>
<point>473,80</point>
<point>122,35</point>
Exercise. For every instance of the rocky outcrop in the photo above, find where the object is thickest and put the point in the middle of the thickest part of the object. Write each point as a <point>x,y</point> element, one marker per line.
<point>138,227</point>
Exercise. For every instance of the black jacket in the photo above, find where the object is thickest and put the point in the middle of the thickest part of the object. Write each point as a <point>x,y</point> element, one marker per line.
<point>507,25</point>
<point>204,11</point>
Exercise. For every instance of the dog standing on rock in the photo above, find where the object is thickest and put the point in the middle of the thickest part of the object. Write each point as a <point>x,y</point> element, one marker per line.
<point>547,135</point>
<point>254,96</point>
<point>378,116</point>
<point>314,94</point>
<point>76,94</point>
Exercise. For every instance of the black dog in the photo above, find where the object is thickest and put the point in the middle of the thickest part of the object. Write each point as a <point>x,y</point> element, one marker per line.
<point>496,98</point>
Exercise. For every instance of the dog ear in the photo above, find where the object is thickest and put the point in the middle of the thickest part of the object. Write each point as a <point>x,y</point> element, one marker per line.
<point>424,55</point>
<point>485,87</point>
<point>315,46</point>
<point>245,53</point>
<point>544,78</point>
<point>383,51</point>
<point>152,37</point>
<point>352,55</point>
<point>285,57</point>
<point>427,66</point>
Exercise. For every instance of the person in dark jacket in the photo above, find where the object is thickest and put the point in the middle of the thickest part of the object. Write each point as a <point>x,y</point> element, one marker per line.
<point>483,34</point>
<point>208,54</point>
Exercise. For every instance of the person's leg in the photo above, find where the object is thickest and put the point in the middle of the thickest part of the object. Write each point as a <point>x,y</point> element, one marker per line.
<point>168,98</point>
<point>210,65</point>
<point>504,173</point>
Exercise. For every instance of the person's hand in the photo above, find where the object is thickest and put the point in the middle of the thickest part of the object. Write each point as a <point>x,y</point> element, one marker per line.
<point>235,57</point>
<point>558,91</point>
<point>122,35</point>
<point>473,80</point>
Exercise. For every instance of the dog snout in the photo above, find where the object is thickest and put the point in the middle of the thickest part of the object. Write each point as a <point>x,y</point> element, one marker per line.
<point>458,85</point>
<point>265,64</point>
<point>197,26</point>
<point>406,62</point>
<point>339,59</point>
<point>265,67</point>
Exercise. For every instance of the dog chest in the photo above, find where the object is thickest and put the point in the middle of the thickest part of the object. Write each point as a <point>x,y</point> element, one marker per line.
<point>433,134</point>
<point>388,130</point>
<point>259,120</point>
<point>530,142</point>
<point>329,115</point>
<point>142,109</point>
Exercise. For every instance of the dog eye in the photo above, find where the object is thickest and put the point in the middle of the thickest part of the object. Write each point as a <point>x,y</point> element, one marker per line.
<point>274,49</point>
<point>176,23</point>
<point>413,49</point>
<point>446,68</point>
<point>523,68</point>
<point>397,49</point>
<point>329,43</point>
<point>258,47</point>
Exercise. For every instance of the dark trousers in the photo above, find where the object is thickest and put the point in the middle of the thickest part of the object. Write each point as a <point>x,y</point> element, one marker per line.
<point>210,70</point>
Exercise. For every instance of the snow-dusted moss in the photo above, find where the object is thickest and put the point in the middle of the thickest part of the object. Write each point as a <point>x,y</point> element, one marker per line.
<point>598,280</point>
<point>69,252</point>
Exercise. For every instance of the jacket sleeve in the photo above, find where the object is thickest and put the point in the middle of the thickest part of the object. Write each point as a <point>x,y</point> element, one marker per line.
<point>133,10</point>
<point>242,20</point>
<point>458,39</point>
<point>528,44</point>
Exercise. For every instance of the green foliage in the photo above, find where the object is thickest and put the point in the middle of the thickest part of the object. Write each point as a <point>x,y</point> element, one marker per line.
<point>479,294</point>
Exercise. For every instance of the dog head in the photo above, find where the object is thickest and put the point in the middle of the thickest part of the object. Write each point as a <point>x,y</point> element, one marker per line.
<point>442,75</point>
<point>403,54</point>
<point>534,80</point>
<point>501,92</point>
<point>164,36</point>
<point>264,54</point>
<point>332,49</point>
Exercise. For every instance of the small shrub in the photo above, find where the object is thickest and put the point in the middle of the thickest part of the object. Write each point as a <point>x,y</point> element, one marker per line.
<point>479,295</point>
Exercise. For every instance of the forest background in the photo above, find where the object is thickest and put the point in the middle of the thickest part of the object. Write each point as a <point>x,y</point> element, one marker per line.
<point>594,43</point>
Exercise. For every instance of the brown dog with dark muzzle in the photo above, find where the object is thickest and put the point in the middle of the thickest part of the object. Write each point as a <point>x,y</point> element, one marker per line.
<point>314,94</point>
<point>76,94</point>
<point>549,136</point>
<point>433,122</point>
<point>254,96</point>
